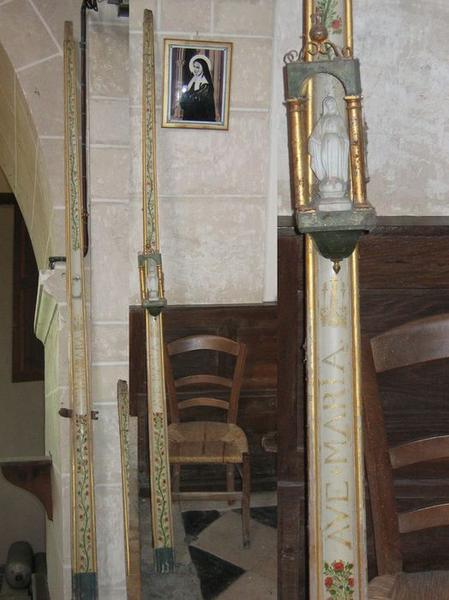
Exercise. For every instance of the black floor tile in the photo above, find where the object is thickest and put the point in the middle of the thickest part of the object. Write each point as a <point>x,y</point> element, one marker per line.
<point>197,520</point>
<point>215,574</point>
<point>267,515</point>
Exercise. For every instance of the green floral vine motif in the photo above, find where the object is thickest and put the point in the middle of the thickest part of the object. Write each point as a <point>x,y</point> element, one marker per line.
<point>149,166</point>
<point>83,493</point>
<point>161,479</point>
<point>330,15</point>
<point>339,580</point>
<point>73,166</point>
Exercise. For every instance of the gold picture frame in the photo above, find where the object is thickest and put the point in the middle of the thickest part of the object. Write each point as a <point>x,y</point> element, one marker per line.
<point>197,84</point>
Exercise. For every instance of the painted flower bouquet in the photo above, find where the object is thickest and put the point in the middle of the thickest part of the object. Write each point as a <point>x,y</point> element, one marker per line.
<point>339,580</point>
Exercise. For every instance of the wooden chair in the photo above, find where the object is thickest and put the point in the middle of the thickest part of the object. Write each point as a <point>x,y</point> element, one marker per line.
<point>416,342</point>
<point>213,442</point>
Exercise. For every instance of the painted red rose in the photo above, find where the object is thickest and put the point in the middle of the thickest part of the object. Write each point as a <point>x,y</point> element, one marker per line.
<point>336,24</point>
<point>328,582</point>
<point>351,582</point>
<point>338,565</point>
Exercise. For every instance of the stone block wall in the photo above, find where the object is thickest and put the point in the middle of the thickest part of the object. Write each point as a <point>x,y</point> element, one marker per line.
<point>213,185</point>
<point>108,108</point>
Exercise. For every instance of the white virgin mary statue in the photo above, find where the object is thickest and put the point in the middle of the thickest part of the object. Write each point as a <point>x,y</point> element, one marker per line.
<point>329,149</point>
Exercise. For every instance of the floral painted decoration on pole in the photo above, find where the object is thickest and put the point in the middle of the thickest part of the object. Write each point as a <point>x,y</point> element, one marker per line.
<point>339,580</point>
<point>331,18</point>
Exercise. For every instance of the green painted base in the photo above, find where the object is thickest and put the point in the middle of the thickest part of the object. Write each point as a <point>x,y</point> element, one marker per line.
<point>84,586</point>
<point>336,233</point>
<point>164,560</point>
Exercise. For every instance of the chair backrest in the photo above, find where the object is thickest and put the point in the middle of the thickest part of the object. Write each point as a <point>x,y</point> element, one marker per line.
<point>200,343</point>
<point>414,343</point>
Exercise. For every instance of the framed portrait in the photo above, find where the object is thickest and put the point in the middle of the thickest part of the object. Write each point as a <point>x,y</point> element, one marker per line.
<point>197,82</point>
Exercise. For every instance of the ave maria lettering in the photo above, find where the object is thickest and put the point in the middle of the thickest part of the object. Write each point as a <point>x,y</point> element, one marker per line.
<point>336,455</point>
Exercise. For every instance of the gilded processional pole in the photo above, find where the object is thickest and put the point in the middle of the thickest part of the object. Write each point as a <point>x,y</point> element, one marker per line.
<point>84,560</point>
<point>327,155</point>
<point>153,301</point>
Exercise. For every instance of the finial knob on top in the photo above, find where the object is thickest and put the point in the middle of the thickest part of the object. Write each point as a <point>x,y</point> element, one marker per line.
<point>318,32</point>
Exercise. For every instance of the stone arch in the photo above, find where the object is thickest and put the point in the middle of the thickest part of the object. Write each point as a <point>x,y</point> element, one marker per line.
<point>21,159</point>
<point>31,116</point>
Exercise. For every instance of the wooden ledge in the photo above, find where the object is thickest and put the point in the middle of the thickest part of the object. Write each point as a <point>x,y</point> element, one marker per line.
<point>33,474</point>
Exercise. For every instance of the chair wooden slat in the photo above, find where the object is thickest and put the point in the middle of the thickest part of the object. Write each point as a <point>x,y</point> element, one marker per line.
<point>415,342</point>
<point>203,379</point>
<point>424,518</point>
<point>379,473</point>
<point>419,451</point>
<point>203,401</point>
<point>203,342</point>
<point>220,496</point>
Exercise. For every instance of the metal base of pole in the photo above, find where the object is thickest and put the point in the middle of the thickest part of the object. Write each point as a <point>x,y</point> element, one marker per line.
<point>85,586</point>
<point>164,560</point>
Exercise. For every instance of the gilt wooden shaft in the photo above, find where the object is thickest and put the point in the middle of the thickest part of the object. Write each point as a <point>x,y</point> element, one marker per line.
<point>161,502</point>
<point>357,150</point>
<point>83,505</point>
<point>337,554</point>
<point>297,132</point>
<point>123,420</point>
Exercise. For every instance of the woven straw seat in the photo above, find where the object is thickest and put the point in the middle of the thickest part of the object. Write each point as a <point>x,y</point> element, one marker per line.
<point>206,442</point>
<point>433,585</point>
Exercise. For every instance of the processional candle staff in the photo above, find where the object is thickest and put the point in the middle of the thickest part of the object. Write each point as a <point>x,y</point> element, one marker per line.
<point>332,210</point>
<point>84,562</point>
<point>153,301</point>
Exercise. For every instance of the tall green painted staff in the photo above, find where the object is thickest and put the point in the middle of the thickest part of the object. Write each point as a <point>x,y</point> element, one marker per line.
<point>84,561</point>
<point>151,284</point>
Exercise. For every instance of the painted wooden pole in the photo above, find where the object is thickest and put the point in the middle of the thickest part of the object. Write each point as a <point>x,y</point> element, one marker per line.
<point>128,449</point>
<point>151,282</point>
<point>123,421</point>
<point>84,561</point>
<point>337,545</point>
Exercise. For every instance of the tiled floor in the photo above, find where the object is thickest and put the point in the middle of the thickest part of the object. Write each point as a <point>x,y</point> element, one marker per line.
<point>226,570</point>
<point>211,562</point>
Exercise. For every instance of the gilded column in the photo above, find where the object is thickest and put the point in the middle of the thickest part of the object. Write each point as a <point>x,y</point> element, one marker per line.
<point>357,149</point>
<point>297,134</point>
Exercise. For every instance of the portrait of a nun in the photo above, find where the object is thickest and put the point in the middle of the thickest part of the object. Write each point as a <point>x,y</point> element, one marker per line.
<point>197,100</point>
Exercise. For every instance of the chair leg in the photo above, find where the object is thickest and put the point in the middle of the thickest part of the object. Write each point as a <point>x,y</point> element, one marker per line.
<point>230,486</point>
<point>176,476</point>
<point>246,497</point>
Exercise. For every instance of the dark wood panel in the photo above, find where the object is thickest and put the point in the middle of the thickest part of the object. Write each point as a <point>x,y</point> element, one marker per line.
<point>27,350</point>
<point>292,574</point>
<point>382,309</point>
<point>255,325</point>
<point>292,565</point>
<point>404,261</point>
